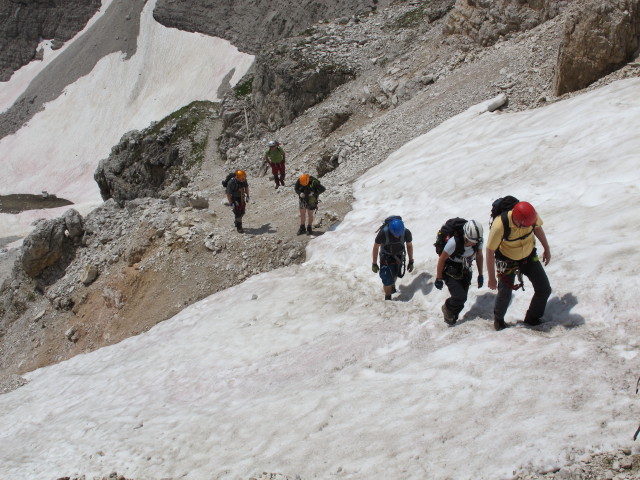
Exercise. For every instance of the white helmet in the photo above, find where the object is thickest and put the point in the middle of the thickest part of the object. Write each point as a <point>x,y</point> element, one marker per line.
<point>472,231</point>
<point>272,143</point>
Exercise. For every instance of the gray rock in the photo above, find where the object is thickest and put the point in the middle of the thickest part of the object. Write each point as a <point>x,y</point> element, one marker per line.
<point>600,38</point>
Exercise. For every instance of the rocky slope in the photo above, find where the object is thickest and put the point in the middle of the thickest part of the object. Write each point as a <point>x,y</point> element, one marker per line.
<point>146,254</point>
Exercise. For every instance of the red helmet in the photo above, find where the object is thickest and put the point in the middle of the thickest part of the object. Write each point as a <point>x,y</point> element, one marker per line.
<point>524,214</point>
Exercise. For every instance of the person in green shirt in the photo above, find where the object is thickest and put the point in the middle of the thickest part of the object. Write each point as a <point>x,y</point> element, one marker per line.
<point>275,157</point>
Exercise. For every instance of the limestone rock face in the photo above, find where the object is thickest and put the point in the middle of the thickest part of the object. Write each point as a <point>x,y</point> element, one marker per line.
<point>598,39</point>
<point>485,21</point>
<point>249,24</point>
<point>154,162</point>
<point>51,244</point>
<point>23,24</point>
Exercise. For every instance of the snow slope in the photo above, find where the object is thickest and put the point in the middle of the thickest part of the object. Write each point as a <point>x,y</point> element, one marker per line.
<point>307,371</point>
<point>59,149</point>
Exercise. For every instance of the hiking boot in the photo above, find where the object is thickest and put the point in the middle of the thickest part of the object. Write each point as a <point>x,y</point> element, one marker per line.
<point>309,230</point>
<point>448,318</point>
<point>387,297</point>
<point>277,185</point>
<point>498,324</point>
<point>532,321</point>
<point>239,228</point>
<point>393,289</point>
<point>301,230</point>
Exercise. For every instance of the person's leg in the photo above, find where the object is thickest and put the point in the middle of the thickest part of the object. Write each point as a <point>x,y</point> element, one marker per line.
<point>301,230</point>
<point>458,289</point>
<point>502,301</point>
<point>274,170</point>
<point>388,274</point>
<point>309,221</point>
<point>534,271</point>
<point>281,172</point>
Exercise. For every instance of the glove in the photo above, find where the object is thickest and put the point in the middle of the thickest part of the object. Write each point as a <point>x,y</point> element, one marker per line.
<point>410,266</point>
<point>374,268</point>
<point>301,194</point>
<point>480,281</point>
<point>439,284</point>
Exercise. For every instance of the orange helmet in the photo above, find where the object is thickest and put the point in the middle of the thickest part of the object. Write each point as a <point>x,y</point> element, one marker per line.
<point>241,176</point>
<point>524,214</point>
<point>304,179</point>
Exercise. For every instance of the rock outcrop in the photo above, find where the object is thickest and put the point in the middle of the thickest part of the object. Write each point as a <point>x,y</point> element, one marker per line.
<point>598,39</point>
<point>51,245</point>
<point>24,24</point>
<point>485,21</point>
<point>154,162</point>
<point>250,24</point>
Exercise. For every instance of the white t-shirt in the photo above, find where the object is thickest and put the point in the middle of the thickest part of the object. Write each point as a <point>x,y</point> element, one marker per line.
<point>468,255</point>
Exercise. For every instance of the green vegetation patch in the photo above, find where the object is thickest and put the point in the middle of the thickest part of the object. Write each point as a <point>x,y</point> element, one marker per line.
<point>412,18</point>
<point>244,88</point>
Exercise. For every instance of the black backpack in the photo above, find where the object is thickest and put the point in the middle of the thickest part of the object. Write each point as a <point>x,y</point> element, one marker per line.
<point>226,180</point>
<point>451,228</point>
<point>385,227</point>
<point>502,206</point>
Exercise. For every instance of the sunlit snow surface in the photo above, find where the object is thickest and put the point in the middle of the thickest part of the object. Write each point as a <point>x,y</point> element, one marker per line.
<point>59,149</point>
<point>308,371</point>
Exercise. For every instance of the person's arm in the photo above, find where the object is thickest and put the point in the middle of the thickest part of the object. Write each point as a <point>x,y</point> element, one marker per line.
<point>440,268</point>
<point>283,154</point>
<point>479,261</point>
<point>374,253</point>
<point>410,251</point>
<point>540,235</point>
<point>246,193</point>
<point>491,269</point>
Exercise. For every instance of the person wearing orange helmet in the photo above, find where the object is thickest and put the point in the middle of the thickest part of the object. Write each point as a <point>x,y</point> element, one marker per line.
<point>275,157</point>
<point>512,252</point>
<point>238,197</point>
<point>308,189</point>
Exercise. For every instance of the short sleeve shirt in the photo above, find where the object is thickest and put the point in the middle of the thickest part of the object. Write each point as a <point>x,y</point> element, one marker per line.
<point>468,253</point>
<point>395,247</point>
<point>275,155</point>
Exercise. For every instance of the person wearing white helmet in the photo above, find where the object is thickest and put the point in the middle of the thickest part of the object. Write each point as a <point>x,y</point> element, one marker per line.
<point>275,157</point>
<point>454,268</point>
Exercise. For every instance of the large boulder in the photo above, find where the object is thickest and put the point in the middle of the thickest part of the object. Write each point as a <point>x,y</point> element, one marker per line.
<point>24,24</point>
<point>598,39</point>
<point>485,21</point>
<point>51,244</point>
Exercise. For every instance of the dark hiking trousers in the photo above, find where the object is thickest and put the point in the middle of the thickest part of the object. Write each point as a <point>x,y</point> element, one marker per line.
<point>534,271</point>
<point>458,289</point>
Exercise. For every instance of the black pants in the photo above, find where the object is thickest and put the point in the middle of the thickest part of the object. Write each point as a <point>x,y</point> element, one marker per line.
<point>458,289</point>
<point>534,271</point>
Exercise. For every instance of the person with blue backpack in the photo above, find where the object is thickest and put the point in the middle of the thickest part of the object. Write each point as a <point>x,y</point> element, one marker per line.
<point>392,244</point>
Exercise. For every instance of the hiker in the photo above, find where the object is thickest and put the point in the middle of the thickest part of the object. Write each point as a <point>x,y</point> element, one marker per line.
<point>454,268</point>
<point>390,245</point>
<point>511,245</point>
<point>238,197</point>
<point>275,157</point>
<point>308,189</point>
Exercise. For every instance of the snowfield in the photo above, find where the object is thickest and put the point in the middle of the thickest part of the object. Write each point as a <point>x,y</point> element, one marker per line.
<point>307,371</point>
<point>59,150</point>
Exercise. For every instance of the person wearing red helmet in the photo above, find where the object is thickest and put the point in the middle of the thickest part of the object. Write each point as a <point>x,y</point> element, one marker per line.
<point>512,252</point>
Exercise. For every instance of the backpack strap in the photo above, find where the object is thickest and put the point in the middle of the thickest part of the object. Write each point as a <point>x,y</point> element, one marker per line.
<point>507,229</point>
